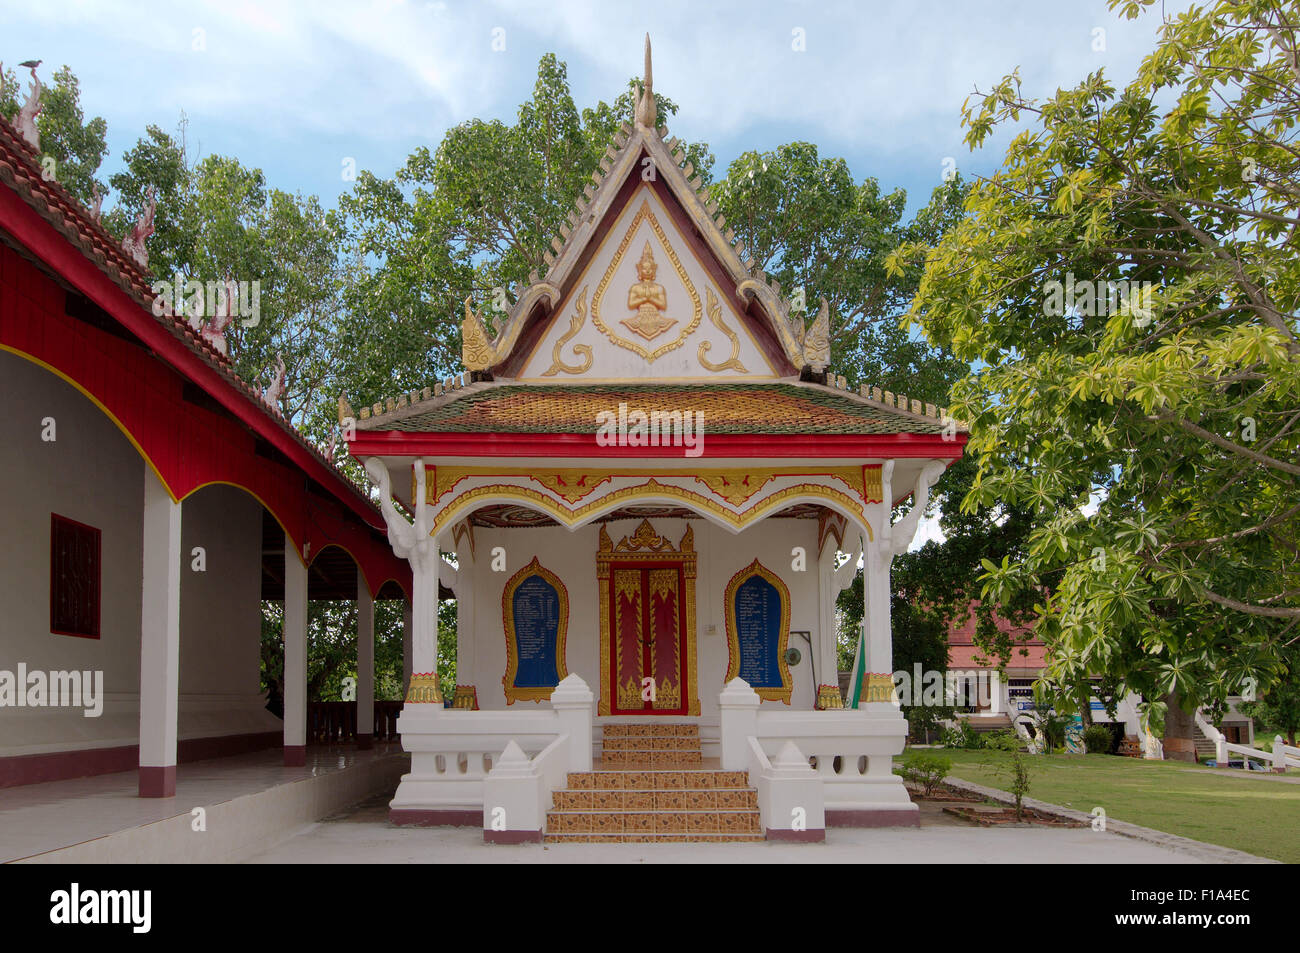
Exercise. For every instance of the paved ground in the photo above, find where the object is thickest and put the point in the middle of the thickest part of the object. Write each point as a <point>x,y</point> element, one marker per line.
<point>363,835</point>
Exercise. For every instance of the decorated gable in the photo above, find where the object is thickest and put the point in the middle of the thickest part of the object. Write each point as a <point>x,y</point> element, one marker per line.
<point>645,306</point>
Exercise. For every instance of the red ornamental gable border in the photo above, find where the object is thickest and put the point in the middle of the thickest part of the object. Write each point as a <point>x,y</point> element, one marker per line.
<point>187,446</point>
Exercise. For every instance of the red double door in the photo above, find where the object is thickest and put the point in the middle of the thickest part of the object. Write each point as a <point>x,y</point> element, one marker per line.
<point>648,664</point>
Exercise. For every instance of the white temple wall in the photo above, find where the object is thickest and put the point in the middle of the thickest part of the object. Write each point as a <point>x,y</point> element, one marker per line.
<point>92,474</point>
<point>571,555</point>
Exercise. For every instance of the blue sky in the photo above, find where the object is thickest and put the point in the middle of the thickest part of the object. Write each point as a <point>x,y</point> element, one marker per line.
<point>295,88</point>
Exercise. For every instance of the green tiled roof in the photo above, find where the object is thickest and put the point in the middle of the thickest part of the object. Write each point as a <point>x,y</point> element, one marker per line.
<point>741,408</point>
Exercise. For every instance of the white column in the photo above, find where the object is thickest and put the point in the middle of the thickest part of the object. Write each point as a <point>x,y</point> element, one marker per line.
<point>406,646</point>
<point>827,591</point>
<point>876,614</point>
<point>424,610</point>
<point>365,664</point>
<point>160,636</point>
<point>295,656</point>
<point>466,646</point>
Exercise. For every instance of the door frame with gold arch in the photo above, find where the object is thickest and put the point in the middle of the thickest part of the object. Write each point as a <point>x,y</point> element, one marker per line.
<point>646,547</point>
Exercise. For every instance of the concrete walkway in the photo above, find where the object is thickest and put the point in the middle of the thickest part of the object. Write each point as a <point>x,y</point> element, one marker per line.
<point>363,835</point>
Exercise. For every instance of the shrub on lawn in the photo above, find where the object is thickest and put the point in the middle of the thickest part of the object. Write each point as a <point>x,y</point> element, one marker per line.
<point>1098,739</point>
<point>1004,740</point>
<point>962,735</point>
<point>925,770</point>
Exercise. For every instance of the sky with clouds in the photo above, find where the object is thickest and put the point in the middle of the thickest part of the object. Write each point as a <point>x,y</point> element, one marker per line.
<point>296,88</point>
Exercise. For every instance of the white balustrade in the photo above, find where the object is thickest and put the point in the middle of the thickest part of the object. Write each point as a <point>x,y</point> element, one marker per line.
<point>851,751</point>
<point>454,750</point>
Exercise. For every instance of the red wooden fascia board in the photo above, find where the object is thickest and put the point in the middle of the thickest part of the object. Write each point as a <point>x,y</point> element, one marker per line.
<point>888,446</point>
<point>43,241</point>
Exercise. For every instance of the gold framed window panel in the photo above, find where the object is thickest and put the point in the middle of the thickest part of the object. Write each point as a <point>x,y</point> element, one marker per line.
<point>757,609</point>
<point>647,624</point>
<point>535,618</point>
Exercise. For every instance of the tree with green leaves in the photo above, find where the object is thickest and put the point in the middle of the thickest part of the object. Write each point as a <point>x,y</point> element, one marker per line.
<point>807,223</point>
<point>1125,290</point>
<point>76,146</point>
<point>1278,710</point>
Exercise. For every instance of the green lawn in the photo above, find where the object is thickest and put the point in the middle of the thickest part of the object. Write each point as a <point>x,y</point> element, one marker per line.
<point>1251,814</point>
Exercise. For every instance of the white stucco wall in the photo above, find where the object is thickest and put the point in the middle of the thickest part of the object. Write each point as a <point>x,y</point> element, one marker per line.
<point>91,473</point>
<point>572,557</point>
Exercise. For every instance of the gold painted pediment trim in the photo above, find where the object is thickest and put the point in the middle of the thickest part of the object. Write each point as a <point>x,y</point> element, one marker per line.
<point>645,213</point>
<point>733,484</point>
<point>651,489</point>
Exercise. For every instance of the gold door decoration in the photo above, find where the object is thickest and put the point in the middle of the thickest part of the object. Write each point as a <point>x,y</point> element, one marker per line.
<point>780,692</point>
<point>646,297</point>
<point>515,692</point>
<point>715,316</point>
<point>645,578</point>
<point>584,350</point>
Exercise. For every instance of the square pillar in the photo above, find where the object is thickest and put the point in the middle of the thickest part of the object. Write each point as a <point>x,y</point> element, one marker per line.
<point>365,664</point>
<point>295,656</point>
<point>406,647</point>
<point>160,634</point>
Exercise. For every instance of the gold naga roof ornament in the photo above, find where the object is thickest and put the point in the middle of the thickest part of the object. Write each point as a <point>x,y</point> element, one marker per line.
<point>817,342</point>
<point>477,352</point>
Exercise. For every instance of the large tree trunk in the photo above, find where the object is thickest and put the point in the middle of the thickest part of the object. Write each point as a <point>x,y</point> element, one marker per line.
<point>1180,732</point>
<point>1085,704</point>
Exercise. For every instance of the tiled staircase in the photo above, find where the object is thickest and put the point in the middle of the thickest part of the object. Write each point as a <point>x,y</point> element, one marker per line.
<point>652,787</point>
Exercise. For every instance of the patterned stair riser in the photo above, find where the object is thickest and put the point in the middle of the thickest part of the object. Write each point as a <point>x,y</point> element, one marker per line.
<point>658,731</point>
<point>648,790</point>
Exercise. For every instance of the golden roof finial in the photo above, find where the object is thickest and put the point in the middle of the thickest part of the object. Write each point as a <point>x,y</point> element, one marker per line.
<point>646,113</point>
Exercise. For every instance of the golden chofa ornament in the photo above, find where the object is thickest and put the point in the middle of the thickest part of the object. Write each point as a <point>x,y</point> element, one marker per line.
<point>648,299</point>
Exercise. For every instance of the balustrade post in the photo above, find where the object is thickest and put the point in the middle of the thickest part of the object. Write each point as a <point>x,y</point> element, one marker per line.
<point>739,722</point>
<point>573,701</point>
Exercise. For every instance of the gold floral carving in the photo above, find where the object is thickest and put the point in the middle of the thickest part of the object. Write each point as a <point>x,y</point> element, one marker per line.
<point>645,214</point>
<point>735,486</point>
<point>583,350</point>
<point>650,489</point>
<point>715,316</point>
<point>771,692</point>
<point>644,545</point>
<point>573,485</point>
<point>537,694</point>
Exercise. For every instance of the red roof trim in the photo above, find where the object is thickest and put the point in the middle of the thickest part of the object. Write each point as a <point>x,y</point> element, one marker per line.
<point>43,241</point>
<point>888,446</point>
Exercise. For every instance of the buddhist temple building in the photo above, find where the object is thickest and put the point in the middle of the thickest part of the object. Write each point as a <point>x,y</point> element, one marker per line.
<point>647,488</point>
